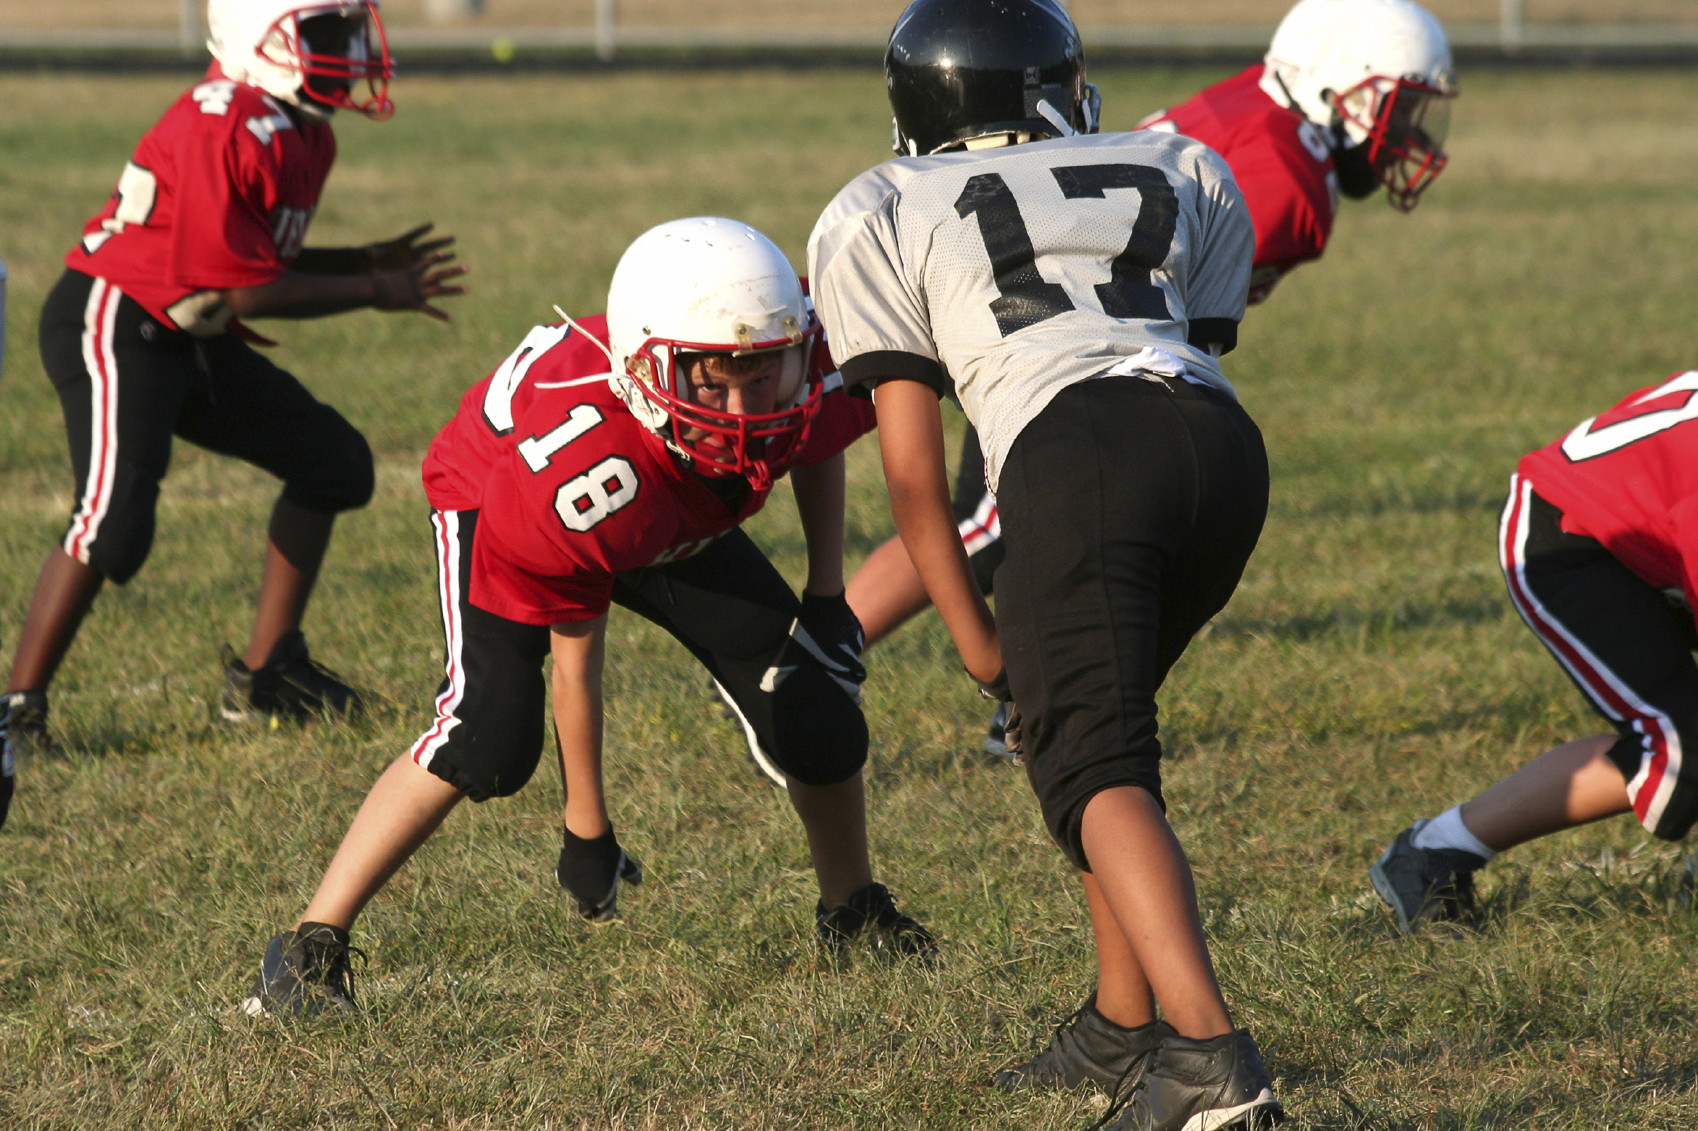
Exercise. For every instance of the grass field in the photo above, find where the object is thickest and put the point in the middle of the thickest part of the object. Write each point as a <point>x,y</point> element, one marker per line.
<point>1369,671</point>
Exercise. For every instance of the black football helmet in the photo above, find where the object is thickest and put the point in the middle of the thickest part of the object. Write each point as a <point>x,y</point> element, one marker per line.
<point>958,70</point>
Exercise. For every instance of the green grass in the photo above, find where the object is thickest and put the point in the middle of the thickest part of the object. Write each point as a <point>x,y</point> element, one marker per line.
<point>1369,671</point>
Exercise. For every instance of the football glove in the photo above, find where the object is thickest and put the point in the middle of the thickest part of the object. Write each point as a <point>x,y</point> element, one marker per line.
<point>827,630</point>
<point>592,870</point>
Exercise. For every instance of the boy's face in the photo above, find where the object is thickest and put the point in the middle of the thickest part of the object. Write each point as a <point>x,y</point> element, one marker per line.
<point>745,386</point>
<point>332,36</point>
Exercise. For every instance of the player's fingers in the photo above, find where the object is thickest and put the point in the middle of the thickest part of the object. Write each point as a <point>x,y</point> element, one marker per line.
<point>439,315</point>
<point>412,235</point>
<point>435,245</point>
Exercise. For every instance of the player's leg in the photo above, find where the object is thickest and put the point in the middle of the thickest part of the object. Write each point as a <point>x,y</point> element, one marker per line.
<point>886,591</point>
<point>120,377</point>
<point>1116,489</point>
<point>734,612</point>
<point>1629,651</point>
<point>485,742</point>
<point>250,409</point>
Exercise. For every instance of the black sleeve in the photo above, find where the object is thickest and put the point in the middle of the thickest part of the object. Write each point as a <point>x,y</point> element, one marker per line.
<point>864,373</point>
<point>1206,332</point>
<point>333,261</point>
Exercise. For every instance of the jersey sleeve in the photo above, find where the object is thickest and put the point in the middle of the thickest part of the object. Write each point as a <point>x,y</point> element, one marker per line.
<point>1218,281</point>
<point>873,311</point>
<point>228,184</point>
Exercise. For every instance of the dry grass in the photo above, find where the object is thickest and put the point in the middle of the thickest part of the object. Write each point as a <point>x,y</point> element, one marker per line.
<point>1369,671</point>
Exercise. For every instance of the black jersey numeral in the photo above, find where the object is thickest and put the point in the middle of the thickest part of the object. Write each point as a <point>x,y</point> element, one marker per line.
<point>1129,292</point>
<point>1024,298</point>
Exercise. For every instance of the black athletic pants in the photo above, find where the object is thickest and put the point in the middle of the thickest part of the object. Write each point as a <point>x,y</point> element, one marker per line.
<point>1129,509</point>
<point>128,384</point>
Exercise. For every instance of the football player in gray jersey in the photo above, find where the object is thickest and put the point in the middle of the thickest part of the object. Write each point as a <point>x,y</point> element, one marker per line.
<point>1074,291</point>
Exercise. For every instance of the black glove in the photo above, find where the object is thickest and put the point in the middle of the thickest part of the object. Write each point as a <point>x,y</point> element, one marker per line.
<point>827,630</point>
<point>592,870</point>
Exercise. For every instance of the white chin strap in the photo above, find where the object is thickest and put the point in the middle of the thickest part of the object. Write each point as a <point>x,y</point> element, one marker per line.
<point>1050,114</point>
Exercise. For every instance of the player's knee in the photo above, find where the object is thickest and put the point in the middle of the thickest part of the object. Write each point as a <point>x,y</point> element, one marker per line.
<point>1064,801</point>
<point>124,537</point>
<point>819,733</point>
<point>492,760</point>
<point>341,475</point>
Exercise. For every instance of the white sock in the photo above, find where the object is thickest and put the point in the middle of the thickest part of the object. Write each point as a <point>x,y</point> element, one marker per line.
<point>1448,831</point>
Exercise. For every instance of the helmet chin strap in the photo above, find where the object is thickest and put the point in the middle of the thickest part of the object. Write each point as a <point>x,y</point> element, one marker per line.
<point>1054,117</point>
<point>567,318</point>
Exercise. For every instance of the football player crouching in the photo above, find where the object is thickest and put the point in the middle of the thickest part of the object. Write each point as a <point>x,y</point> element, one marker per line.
<point>144,339</point>
<point>611,461</point>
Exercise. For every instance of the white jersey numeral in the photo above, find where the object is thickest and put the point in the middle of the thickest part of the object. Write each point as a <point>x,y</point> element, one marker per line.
<point>510,374</point>
<point>215,96</point>
<point>538,450</point>
<point>137,191</point>
<point>588,499</point>
<point>1587,442</point>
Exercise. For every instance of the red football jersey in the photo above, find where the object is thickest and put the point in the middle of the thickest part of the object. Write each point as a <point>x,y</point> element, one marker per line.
<point>572,488</point>
<point>217,195</point>
<point>1282,164</point>
<point>1629,478</point>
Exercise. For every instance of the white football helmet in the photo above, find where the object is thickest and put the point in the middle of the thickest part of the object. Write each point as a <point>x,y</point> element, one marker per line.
<point>708,284</point>
<point>270,44</point>
<point>1376,73</point>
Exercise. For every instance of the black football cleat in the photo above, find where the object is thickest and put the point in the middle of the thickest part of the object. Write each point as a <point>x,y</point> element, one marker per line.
<point>23,728</point>
<point>291,687</point>
<point>871,912</point>
<point>1087,1049</point>
<point>305,972</point>
<point>1200,1086</point>
<point>1424,885</point>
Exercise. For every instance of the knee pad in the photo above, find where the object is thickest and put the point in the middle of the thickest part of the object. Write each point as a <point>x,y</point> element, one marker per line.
<point>819,734</point>
<point>340,475</point>
<point>124,537</point>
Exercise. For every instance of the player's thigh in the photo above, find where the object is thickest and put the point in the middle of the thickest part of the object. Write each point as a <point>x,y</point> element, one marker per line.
<point>734,611</point>
<point>487,735</point>
<point>1623,644</point>
<point>1231,506</point>
<point>121,379</point>
<point>257,412</point>
<point>727,604</point>
<point>1096,498</point>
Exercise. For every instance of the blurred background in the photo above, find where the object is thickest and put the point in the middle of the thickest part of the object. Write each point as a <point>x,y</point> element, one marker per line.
<point>506,29</point>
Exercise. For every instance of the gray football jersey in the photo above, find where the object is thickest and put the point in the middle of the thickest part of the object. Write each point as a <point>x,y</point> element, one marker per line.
<point>1022,270</point>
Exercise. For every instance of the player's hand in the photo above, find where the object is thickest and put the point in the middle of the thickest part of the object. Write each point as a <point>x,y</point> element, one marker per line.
<point>412,288</point>
<point>828,629</point>
<point>406,251</point>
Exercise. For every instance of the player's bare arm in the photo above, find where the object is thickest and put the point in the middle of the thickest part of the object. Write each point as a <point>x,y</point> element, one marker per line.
<point>579,649</point>
<point>910,431</point>
<point>298,294</point>
<point>820,491</point>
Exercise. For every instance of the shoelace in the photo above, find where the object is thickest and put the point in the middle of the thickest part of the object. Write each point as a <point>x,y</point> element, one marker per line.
<point>1122,1095</point>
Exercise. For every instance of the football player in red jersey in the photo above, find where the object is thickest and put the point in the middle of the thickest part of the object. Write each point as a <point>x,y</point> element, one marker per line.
<point>144,338</point>
<point>1599,545</point>
<point>1353,95</point>
<point>611,462</point>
